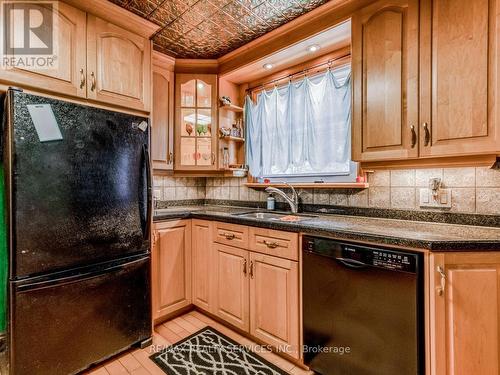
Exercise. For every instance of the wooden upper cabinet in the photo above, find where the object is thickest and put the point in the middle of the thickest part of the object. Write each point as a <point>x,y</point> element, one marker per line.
<point>459,77</point>
<point>171,267</point>
<point>68,76</point>
<point>196,125</point>
<point>465,300</point>
<point>274,301</point>
<point>385,76</point>
<point>162,126</point>
<point>118,65</point>
<point>232,285</point>
<point>202,269</point>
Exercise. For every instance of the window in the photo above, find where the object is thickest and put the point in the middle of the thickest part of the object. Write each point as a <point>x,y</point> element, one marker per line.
<point>302,130</point>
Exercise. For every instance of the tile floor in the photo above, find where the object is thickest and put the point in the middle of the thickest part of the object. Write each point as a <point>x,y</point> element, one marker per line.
<point>137,362</point>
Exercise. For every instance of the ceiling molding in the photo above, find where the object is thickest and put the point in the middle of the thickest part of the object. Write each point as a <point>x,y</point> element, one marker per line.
<point>201,66</point>
<point>117,15</point>
<point>305,26</point>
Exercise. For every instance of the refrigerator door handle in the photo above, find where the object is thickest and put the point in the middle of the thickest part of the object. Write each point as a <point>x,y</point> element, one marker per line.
<point>147,166</point>
<point>65,280</point>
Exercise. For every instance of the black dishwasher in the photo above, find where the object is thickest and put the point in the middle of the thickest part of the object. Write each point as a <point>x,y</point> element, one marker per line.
<point>362,309</point>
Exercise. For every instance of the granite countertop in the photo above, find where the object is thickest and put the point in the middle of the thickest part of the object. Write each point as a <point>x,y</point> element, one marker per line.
<point>404,233</point>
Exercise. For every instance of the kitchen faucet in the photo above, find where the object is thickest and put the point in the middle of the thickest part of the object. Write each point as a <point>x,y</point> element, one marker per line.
<point>292,201</point>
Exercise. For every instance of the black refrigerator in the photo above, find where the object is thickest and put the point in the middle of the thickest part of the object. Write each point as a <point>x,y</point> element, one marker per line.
<point>78,206</point>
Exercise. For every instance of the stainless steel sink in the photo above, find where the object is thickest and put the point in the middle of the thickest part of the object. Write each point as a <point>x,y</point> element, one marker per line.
<point>279,216</point>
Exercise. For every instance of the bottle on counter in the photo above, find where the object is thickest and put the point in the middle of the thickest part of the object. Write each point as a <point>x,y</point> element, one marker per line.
<point>271,202</point>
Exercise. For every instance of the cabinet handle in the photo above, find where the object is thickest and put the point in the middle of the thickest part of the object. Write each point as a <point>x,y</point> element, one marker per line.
<point>442,287</point>
<point>229,236</point>
<point>413,136</point>
<point>170,159</point>
<point>245,267</point>
<point>92,82</point>
<point>251,269</point>
<point>82,79</point>
<point>213,158</point>
<point>271,245</point>
<point>427,136</point>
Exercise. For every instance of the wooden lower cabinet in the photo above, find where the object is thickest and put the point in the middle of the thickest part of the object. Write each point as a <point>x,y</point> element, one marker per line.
<point>274,302</point>
<point>171,267</point>
<point>202,269</point>
<point>231,286</point>
<point>464,316</point>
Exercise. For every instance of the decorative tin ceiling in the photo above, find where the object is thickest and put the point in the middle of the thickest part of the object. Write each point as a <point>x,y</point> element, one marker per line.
<point>209,29</point>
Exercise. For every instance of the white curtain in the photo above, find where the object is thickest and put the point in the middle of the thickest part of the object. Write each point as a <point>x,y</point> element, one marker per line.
<point>302,128</point>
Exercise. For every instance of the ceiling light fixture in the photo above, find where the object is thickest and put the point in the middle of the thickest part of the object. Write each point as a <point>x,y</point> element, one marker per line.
<point>313,48</point>
<point>268,66</point>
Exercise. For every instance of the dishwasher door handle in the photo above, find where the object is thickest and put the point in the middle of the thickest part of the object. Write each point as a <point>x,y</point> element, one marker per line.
<point>351,263</point>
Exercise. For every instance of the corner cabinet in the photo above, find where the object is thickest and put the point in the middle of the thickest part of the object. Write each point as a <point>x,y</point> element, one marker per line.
<point>118,65</point>
<point>464,311</point>
<point>162,119</point>
<point>196,124</point>
<point>171,267</point>
<point>424,79</point>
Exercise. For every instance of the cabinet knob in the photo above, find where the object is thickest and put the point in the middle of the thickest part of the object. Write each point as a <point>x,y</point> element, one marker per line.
<point>92,82</point>
<point>82,79</point>
<point>413,136</point>
<point>441,288</point>
<point>427,135</point>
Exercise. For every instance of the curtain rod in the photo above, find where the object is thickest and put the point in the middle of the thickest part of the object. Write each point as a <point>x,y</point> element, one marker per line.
<point>302,72</point>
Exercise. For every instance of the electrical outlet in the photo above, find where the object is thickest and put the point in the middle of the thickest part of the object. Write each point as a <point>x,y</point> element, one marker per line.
<point>441,200</point>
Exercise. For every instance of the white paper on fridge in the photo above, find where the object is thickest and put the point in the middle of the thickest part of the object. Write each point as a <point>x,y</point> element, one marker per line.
<point>45,122</point>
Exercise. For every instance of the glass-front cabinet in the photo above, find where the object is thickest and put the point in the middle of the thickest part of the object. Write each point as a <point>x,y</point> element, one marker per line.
<point>196,121</point>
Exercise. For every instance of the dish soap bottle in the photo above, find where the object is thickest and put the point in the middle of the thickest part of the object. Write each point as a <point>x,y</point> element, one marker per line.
<point>271,202</point>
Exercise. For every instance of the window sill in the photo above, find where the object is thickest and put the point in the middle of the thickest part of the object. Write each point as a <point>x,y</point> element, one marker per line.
<point>303,185</point>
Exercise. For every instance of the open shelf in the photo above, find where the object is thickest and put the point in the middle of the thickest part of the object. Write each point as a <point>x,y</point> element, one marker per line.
<point>232,107</point>
<point>322,185</point>
<point>231,138</point>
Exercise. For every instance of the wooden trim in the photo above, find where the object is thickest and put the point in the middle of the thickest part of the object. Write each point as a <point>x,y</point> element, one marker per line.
<point>441,162</point>
<point>76,100</point>
<point>119,16</point>
<point>162,60</point>
<point>196,66</point>
<point>338,58</point>
<point>326,185</point>
<point>307,25</point>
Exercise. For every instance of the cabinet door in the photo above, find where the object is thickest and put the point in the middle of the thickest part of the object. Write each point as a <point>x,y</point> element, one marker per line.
<point>68,76</point>
<point>274,302</point>
<point>231,287</point>
<point>118,65</point>
<point>203,269</point>
<point>465,302</point>
<point>460,45</point>
<point>385,81</point>
<point>162,126</point>
<point>196,121</point>
<point>171,262</point>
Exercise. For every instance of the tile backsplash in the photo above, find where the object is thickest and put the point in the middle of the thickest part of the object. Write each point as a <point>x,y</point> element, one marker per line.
<point>473,190</point>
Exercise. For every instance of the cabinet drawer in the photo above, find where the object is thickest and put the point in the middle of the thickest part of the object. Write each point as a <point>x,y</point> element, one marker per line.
<point>231,234</point>
<point>275,242</point>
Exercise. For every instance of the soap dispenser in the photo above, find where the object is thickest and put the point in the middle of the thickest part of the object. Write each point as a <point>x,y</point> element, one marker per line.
<point>271,202</point>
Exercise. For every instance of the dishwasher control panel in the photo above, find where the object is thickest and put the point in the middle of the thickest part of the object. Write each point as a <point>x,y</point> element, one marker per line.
<point>359,256</point>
